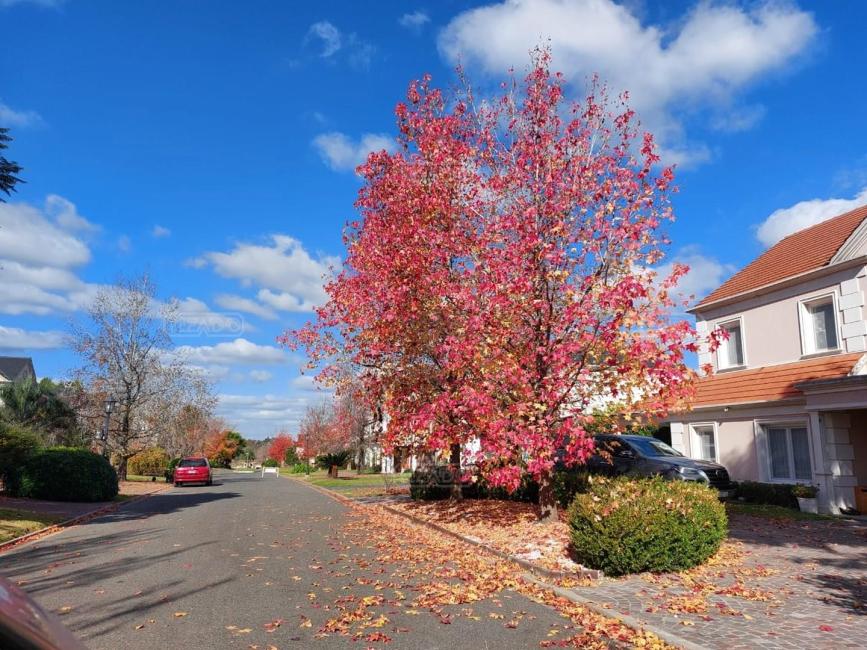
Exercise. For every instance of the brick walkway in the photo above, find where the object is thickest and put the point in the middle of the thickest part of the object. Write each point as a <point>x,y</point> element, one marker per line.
<point>777,585</point>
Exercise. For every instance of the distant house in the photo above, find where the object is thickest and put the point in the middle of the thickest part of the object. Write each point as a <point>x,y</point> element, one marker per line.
<point>16,369</point>
<point>787,401</point>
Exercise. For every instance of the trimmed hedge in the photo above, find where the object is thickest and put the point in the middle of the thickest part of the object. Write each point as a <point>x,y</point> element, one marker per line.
<point>66,474</point>
<point>769,494</point>
<point>270,462</point>
<point>625,525</point>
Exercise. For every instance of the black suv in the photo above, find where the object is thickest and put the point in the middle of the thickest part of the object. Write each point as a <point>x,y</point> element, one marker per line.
<point>646,456</point>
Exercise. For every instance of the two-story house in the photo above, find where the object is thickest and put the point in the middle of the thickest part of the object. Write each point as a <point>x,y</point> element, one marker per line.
<point>787,400</point>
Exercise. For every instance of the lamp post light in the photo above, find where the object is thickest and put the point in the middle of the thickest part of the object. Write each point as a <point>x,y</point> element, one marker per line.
<point>109,407</point>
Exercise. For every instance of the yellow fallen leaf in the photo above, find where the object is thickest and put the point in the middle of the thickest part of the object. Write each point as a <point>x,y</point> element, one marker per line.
<point>180,614</point>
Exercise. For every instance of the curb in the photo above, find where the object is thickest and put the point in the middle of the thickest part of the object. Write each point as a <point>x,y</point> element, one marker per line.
<point>627,619</point>
<point>58,527</point>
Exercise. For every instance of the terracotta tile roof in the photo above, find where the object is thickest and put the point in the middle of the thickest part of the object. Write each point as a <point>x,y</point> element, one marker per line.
<point>805,250</point>
<point>770,382</point>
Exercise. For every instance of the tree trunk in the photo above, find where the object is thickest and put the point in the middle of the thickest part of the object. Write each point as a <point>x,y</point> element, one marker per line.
<point>332,471</point>
<point>547,498</point>
<point>455,465</point>
<point>121,468</point>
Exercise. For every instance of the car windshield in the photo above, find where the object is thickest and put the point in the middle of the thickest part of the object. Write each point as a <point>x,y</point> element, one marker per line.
<point>653,447</point>
<point>193,462</point>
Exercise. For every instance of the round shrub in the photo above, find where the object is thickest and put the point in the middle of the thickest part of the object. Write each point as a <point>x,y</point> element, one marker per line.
<point>270,462</point>
<point>170,469</point>
<point>625,525</point>
<point>149,462</point>
<point>66,474</point>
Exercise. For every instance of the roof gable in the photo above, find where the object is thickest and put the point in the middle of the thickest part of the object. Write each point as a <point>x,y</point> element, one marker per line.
<point>800,252</point>
<point>15,368</point>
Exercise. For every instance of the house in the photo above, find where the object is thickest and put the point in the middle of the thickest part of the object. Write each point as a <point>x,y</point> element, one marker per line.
<point>16,369</point>
<point>787,401</point>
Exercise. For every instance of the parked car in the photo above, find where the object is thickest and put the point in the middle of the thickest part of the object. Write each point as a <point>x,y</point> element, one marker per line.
<point>646,456</point>
<point>195,469</point>
<point>24,625</point>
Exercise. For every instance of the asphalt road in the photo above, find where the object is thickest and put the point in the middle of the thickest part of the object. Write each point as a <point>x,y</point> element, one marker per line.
<point>248,563</point>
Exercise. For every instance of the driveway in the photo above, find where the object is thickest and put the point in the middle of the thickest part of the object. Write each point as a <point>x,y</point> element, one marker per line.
<point>777,584</point>
<point>253,562</point>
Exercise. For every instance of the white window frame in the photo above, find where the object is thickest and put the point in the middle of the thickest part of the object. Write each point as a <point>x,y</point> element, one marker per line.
<point>764,425</point>
<point>722,350</point>
<point>695,443</point>
<point>806,326</point>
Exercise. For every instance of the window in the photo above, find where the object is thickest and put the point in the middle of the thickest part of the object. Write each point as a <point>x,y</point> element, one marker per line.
<point>731,352</point>
<point>789,452</point>
<point>819,325</point>
<point>705,442</point>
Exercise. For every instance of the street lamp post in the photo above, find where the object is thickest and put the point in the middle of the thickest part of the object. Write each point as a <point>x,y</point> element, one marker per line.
<point>109,407</point>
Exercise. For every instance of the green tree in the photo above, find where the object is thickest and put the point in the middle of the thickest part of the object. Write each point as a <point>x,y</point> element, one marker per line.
<point>291,457</point>
<point>41,407</point>
<point>8,168</point>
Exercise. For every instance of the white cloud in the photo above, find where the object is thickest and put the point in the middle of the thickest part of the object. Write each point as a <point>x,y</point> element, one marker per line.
<point>258,415</point>
<point>703,59</point>
<point>124,244</point>
<point>260,376</point>
<point>414,20</point>
<point>705,273</point>
<point>785,221</point>
<point>39,252</point>
<point>283,266</point>
<point>31,236</point>
<point>736,120</point>
<point>357,52</point>
<point>229,353</point>
<point>197,318</point>
<point>10,117</point>
<point>160,231</point>
<point>329,37</point>
<point>14,338</point>
<point>341,153</point>
<point>239,303</point>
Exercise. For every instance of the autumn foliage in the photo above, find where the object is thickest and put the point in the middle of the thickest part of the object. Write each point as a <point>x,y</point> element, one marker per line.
<point>279,446</point>
<point>499,285</point>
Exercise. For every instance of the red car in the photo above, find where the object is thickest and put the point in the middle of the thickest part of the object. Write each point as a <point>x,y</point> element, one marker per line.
<point>194,469</point>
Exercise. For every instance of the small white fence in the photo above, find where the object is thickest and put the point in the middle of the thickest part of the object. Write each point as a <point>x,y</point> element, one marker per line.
<point>270,470</point>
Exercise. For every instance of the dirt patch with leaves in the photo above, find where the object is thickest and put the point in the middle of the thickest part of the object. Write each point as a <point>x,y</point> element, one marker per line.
<point>508,526</point>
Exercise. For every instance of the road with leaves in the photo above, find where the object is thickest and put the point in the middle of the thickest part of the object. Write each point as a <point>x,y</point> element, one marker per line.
<point>258,563</point>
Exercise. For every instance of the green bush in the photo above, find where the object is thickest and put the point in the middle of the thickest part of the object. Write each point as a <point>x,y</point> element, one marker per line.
<point>334,459</point>
<point>769,494</point>
<point>170,469</point>
<point>568,483</point>
<point>66,474</point>
<point>299,468</point>
<point>17,445</point>
<point>270,462</point>
<point>431,484</point>
<point>149,462</point>
<point>625,525</point>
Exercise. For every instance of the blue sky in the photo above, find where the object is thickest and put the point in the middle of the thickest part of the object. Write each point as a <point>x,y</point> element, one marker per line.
<point>211,144</point>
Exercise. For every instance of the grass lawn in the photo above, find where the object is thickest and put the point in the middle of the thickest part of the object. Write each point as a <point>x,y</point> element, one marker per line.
<point>349,480</point>
<point>773,512</point>
<point>144,479</point>
<point>15,523</point>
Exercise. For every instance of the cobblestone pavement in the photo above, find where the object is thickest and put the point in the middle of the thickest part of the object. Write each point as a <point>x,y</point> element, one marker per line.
<point>777,584</point>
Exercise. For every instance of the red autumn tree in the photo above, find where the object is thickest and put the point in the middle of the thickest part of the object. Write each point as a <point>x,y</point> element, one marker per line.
<point>279,446</point>
<point>500,286</point>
